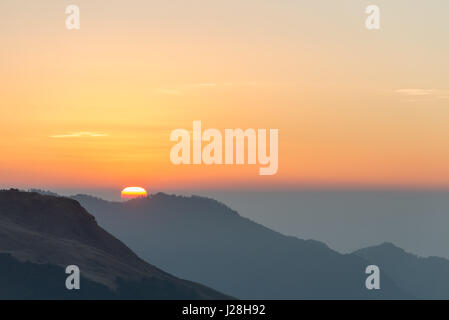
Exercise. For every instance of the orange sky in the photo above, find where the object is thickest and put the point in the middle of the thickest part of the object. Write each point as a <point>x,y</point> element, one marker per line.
<point>95,107</point>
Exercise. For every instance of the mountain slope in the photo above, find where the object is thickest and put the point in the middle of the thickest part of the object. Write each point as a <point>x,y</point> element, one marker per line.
<point>26,280</point>
<point>425,278</point>
<point>203,240</point>
<point>41,232</point>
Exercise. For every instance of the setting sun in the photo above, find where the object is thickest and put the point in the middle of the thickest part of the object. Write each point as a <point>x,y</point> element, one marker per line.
<point>133,192</point>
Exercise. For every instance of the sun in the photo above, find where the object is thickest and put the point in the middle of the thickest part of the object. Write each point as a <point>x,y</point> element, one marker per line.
<point>133,192</point>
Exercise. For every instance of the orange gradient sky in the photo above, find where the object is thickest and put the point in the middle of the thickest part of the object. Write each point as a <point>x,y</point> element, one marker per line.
<point>95,107</point>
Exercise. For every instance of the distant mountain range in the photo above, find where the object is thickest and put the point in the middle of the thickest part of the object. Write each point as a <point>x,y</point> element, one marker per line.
<point>194,238</point>
<point>424,278</point>
<point>203,240</point>
<point>42,234</point>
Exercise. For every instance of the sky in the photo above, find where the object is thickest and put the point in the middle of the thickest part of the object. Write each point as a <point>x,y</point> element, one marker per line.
<point>94,108</point>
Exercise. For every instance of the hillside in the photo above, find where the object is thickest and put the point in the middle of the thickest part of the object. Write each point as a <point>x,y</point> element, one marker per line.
<point>202,240</point>
<point>42,234</point>
<point>425,278</point>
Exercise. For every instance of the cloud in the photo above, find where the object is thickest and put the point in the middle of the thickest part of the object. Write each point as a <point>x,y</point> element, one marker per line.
<point>81,134</point>
<point>422,94</point>
<point>416,92</point>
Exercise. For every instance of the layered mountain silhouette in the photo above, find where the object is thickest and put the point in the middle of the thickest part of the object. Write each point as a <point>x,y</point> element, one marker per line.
<point>42,234</point>
<point>203,240</point>
<point>424,278</point>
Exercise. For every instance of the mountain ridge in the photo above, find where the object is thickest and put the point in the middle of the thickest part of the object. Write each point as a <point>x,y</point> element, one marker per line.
<point>216,246</point>
<point>45,229</point>
<point>424,277</point>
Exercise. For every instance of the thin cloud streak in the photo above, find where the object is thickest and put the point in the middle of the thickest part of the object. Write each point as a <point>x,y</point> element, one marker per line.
<point>416,92</point>
<point>421,94</point>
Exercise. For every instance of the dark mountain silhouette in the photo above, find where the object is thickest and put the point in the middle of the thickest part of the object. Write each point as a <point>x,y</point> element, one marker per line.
<point>424,278</point>
<point>40,235</point>
<point>44,192</point>
<point>26,280</point>
<point>203,240</point>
